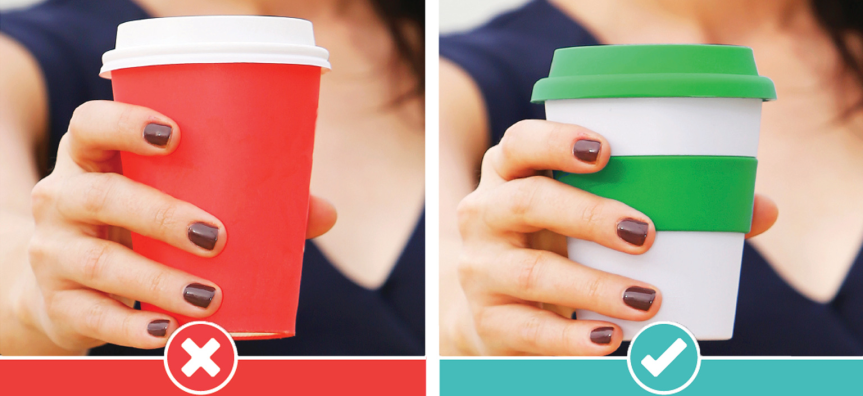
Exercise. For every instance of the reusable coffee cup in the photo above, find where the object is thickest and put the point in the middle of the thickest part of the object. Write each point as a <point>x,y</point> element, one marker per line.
<point>244,92</point>
<point>683,124</point>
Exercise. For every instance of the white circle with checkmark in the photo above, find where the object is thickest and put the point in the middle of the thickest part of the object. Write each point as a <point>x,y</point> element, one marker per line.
<point>664,358</point>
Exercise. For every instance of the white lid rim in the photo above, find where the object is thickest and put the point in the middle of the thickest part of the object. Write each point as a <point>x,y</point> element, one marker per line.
<point>124,58</point>
<point>284,60</point>
<point>224,16</point>
<point>215,48</point>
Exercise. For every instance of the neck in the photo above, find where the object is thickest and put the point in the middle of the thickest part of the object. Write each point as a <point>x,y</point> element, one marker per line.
<point>361,48</point>
<point>311,10</point>
<point>304,9</point>
<point>338,23</point>
<point>714,14</point>
<point>689,21</point>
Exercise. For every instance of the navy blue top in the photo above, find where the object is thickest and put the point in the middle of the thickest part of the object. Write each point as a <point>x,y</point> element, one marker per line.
<point>336,316</point>
<point>510,53</point>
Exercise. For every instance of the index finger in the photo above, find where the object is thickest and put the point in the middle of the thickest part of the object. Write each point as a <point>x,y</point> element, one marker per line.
<point>535,145</point>
<point>99,128</point>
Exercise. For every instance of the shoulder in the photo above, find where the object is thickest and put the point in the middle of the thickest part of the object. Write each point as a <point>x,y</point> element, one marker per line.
<point>522,40</point>
<point>507,55</point>
<point>89,14</point>
<point>67,38</point>
<point>79,25</point>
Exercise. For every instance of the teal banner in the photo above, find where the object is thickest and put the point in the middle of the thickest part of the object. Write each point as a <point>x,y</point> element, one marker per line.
<point>611,376</point>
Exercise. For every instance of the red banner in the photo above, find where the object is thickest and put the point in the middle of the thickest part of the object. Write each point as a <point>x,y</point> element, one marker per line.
<point>252,377</point>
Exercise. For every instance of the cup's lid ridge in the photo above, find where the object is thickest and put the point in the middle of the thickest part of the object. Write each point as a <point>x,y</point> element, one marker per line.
<point>214,39</point>
<point>664,70</point>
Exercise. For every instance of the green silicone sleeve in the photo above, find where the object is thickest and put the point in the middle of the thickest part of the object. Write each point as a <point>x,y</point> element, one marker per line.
<point>679,193</point>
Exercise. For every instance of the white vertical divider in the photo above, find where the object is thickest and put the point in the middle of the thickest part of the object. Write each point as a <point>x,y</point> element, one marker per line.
<point>432,179</point>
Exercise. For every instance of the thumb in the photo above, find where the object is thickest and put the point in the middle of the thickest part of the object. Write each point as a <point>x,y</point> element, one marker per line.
<point>764,214</point>
<point>322,217</point>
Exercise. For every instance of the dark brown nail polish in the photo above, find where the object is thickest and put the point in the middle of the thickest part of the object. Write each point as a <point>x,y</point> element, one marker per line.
<point>199,295</point>
<point>633,231</point>
<point>586,150</point>
<point>203,235</point>
<point>158,328</point>
<point>639,297</point>
<point>157,134</point>
<point>602,335</point>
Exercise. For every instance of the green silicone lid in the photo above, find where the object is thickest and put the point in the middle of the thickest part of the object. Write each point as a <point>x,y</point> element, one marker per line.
<point>668,70</point>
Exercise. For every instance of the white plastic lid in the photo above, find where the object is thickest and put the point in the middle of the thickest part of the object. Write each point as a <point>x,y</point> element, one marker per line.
<point>214,39</point>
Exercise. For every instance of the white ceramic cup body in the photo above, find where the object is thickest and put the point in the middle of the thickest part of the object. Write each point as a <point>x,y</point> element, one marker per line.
<point>697,272</point>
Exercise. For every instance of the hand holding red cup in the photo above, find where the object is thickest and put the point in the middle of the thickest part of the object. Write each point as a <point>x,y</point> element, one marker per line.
<point>244,91</point>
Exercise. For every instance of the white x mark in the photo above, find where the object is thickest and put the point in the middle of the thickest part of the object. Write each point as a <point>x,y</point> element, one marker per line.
<point>201,357</point>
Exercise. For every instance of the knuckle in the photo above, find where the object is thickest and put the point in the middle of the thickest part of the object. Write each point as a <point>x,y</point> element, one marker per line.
<point>507,145</point>
<point>128,327</point>
<point>524,195</point>
<point>569,335</point>
<point>529,270</point>
<point>62,339</point>
<point>95,317</point>
<point>98,191</point>
<point>519,128</point>
<point>79,116</point>
<point>592,289</point>
<point>63,146</point>
<point>467,211</point>
<point>483,323</point>
<point>94,260</point>
<point>41,197</point>
<point>558,134</point>
<point>37,253</point>
<point>591,213</point>
<point>165,216</point>
<point>510,143</point>
<point>70,341</point>
<point>52,308</point>
<point>489,157</point>
<point>467,269</point>
<point>157,283</point>
<point>530,330</point>
<point>128,119</point>
<point>453,330</point>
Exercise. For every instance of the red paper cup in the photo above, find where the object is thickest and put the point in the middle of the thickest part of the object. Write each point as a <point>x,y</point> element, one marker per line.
<point>244,92</point>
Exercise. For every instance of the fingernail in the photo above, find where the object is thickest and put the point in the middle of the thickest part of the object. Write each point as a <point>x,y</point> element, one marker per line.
<point>203,235</point>
<point>602,335</point>
<point>586,150</point>
<point>639,297</point>
<point>633,231</point>
<point>158,328</point>
<point>199,295</point>
<point>157,134</point>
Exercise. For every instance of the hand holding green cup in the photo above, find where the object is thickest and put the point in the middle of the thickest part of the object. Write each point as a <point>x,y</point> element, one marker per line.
<point>683,123</point>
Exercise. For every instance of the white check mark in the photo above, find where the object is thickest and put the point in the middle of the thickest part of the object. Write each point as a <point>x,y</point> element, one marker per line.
<point>657,366</point>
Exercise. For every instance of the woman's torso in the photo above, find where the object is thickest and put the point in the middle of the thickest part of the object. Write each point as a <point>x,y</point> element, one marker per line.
<point>804,134</point>
<point>363,284</point>
<point>505,58</point>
